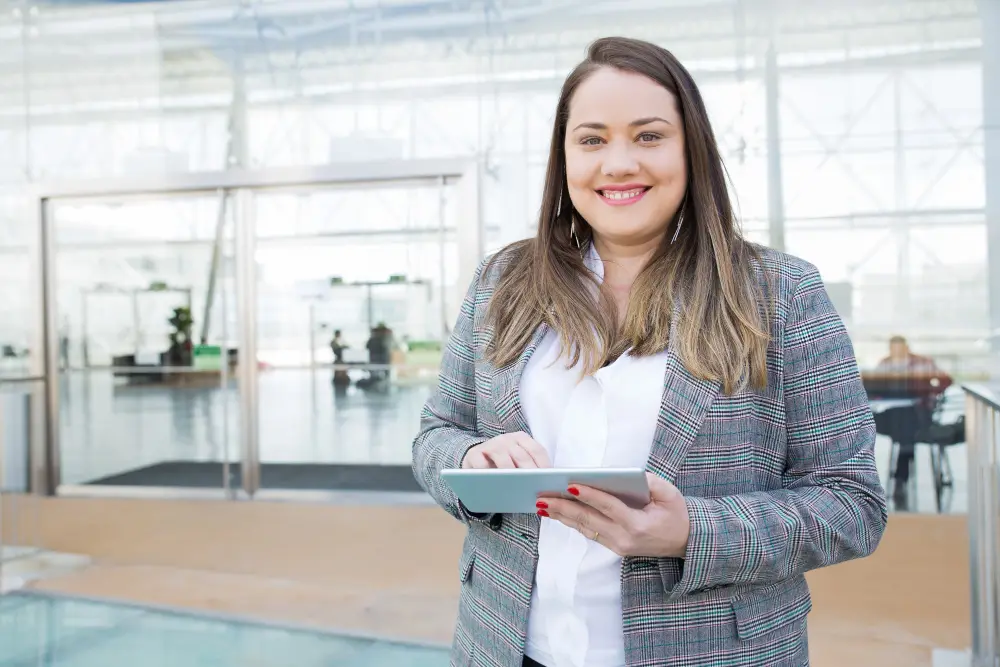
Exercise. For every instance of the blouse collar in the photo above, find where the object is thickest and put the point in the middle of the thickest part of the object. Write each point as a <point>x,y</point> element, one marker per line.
<point>592,261</point>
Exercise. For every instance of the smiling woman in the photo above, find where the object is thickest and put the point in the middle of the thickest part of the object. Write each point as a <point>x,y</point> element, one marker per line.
<point>639,329</point>
<point>633,157</point>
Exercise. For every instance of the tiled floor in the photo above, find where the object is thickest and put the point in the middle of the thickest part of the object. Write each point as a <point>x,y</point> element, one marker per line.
<point>393,570</point>
<point>108,428</point>
<point>63,632</point>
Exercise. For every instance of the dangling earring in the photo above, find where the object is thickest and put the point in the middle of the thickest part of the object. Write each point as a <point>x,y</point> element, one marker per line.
<point>572,233</point>
<point>677,231</point>
<point>680,220</point>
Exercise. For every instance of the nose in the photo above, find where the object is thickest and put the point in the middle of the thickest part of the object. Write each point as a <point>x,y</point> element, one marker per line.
<point>619,161</point>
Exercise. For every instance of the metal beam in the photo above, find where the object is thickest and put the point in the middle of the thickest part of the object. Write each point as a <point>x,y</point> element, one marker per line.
<point>295,23</point>
<point>339,174</point>
<point>237,155</point>
<point>989,11</point>
<point>189,98</point>
<point>775,187</point>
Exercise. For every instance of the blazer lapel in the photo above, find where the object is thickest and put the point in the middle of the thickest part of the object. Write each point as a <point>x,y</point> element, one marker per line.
<point>683,406</point>
<point>686,400</point>
<point>506,387</point>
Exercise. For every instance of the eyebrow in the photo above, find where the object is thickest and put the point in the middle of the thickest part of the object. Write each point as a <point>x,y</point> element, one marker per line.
<point>635,123</point>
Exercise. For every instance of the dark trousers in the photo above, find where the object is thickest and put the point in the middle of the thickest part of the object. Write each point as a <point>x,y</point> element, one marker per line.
<point>528,662</point>
<point>902,425</point>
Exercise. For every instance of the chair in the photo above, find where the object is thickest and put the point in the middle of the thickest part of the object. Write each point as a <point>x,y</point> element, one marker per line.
<point>937,436</point>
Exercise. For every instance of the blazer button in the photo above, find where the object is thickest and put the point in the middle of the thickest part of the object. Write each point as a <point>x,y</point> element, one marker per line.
<point>496,521</point>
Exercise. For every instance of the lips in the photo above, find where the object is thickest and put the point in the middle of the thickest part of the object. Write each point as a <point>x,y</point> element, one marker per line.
<point>622,196</point>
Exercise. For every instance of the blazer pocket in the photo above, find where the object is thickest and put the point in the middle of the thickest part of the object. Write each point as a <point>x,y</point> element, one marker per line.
<point>772,608</point>
<point>465,563</point>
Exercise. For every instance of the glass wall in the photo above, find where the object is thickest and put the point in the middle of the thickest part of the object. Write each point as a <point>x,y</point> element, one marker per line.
<point>880,141</point>
<point>355,289</point>
<point>219,338</point>
<point>137,296</point>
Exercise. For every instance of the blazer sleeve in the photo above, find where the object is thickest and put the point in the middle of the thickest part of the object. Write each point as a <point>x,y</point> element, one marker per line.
<point>448,421</point>
<point>832,506</point>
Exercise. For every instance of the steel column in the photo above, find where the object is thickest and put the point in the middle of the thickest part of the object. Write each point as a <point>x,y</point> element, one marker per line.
<point>246,294</point>
<point>775,189</point>
<point>989,11</point>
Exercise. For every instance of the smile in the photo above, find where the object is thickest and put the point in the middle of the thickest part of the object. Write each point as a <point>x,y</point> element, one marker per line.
<point>623,197</point>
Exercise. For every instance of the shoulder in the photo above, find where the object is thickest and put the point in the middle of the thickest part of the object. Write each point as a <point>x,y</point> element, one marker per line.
<point>492,268</point>
<point>795,292</point>
<point>781,274</point>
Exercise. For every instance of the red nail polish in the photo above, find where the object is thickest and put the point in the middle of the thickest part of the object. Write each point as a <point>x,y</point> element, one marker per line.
<point>573,490</point>
<point>542,513</point>
<point>542,505</point>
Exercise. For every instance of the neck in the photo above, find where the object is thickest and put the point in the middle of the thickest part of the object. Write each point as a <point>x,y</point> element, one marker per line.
<point>623,263</point>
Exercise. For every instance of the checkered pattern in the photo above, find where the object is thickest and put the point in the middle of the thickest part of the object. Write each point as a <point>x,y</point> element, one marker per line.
<point>778,482</point>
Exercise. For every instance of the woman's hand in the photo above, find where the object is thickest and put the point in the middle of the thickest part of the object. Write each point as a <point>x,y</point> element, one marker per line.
<point>510,450</point>
<point>660,529</point>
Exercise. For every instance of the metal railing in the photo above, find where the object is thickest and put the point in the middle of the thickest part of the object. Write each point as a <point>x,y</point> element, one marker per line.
<point>982,432</point>
<point>19,520</point>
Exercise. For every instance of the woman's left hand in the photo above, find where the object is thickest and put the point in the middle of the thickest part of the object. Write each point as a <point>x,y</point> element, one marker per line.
<point>660,529</point>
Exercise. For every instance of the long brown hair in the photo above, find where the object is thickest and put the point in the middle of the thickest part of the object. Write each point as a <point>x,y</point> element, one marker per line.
<point>722,329</point>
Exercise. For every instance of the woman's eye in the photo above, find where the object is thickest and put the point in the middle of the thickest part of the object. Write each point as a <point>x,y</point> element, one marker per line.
<point>649,136</point>
<point>591,141</point>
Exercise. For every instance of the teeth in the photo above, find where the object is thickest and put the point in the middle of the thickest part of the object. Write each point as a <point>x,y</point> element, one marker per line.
<point>622,194</point>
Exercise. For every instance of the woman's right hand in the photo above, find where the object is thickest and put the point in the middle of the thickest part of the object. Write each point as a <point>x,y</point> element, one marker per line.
<point>510,450</point>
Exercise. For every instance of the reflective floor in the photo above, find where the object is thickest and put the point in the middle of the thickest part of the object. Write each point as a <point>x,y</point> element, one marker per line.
<point>108,428</point>
<point>62,632</point>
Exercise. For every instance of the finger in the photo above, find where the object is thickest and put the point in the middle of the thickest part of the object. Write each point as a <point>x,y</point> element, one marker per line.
<point>602,502</point>
<point>500,458</point>
<point>475,459</point>
<point>521,458</point>
<point>660,490</point>
<point>586,520</point>
<point>534,449</point>
<point>576,516</point>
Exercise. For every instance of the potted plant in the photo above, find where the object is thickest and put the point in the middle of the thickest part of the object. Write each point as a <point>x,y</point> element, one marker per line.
<point>180,352</point>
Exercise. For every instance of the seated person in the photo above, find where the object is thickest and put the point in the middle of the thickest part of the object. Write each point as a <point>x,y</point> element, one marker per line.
<point>904,374</point>
<point>908,373</point>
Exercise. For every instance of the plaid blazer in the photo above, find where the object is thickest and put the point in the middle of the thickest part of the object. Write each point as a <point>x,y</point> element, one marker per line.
<point>777,482</point>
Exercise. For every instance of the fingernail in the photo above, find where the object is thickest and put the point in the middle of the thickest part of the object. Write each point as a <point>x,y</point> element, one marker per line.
<point>573,490</point>
<point>542,513</point>
<point>542,505</point>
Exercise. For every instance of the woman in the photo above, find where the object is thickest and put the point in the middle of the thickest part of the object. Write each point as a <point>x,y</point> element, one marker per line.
<point>639,329</point>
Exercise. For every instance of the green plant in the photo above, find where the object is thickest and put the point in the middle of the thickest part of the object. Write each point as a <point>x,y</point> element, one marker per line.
<point>180,351</point>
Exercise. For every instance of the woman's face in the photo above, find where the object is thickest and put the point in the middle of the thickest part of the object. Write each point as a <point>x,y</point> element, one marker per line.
<point>625,164</point>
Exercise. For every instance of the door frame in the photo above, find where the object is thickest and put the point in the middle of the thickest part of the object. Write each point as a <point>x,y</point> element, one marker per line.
<point>241,185</point>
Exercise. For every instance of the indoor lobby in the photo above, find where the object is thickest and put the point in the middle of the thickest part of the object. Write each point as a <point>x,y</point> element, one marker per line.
<point>206,438</point>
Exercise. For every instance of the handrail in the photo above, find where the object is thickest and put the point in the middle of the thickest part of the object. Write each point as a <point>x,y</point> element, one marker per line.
<point>982,413</point>
<point>20,379</point>
<point>990,395</point>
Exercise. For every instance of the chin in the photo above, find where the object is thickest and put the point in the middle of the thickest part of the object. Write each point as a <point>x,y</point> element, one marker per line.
<point>627,235</point>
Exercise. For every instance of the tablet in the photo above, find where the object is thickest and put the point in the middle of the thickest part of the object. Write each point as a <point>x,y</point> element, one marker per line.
<point>516,490</point>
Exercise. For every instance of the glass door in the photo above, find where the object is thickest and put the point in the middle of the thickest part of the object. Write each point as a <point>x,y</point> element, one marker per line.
<point>355,286</point>
<point>146,312</point>
<point>222,333</point>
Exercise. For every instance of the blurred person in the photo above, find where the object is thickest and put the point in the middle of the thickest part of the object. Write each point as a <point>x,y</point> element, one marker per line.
<point>380,345</point>
<point>903,361</point>
<point>337,345</point>
<point>639,329</point>
<point>341,378</point>
<point>904,374</point>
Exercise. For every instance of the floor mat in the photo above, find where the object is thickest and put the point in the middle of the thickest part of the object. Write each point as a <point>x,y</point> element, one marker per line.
<point>296,476</point>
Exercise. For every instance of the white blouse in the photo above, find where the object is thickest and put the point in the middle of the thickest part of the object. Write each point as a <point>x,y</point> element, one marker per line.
<point>605,420</point>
